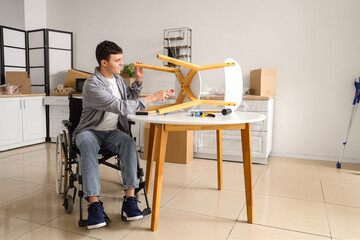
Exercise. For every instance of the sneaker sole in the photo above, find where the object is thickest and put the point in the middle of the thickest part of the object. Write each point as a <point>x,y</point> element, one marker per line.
<point>126,218</point>
<point>100,225</point>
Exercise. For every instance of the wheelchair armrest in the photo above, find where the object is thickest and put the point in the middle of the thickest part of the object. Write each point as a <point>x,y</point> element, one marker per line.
<point>66,123</point>
<point>131,122</point>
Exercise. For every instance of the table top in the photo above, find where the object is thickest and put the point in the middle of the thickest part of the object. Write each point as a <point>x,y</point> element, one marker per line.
<point>185,118</point>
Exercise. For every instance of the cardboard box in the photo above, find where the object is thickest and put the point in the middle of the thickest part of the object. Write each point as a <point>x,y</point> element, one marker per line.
<point>72,75</point>
<point>263,81</point>
<point>19,79</point>
<point>179,148</point>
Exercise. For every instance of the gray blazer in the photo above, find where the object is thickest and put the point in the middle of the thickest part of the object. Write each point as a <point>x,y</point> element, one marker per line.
<point>97,99</point>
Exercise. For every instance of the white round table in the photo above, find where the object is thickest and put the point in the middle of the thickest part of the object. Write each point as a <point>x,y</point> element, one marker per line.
<point>160,125</point>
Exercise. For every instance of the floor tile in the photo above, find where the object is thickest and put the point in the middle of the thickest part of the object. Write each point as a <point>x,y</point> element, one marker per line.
<point>291,214</point>
<point>243,230</point>
<point>169,190</point>
<point>340,177</point>
<point>348,195</point>
<point>227,165</point>
<point>45,233</point>
<point>45,175</point>
<point>40,207</point>
<point>289,187</point>
<point>16,168</point>
<point>181,225</point>
<point>231,180</point>
<point>14,154</point>
<point>288,200</point>
<point>14,190</point>
<point>117,229</point>
<point>331,166</point>
<point>208,201</point>
<point>8,160</point>
<point>291,167</point>
<point>47,157</point>
<point>180,173</point>
<point>11,228</point>
<point>344,221</point>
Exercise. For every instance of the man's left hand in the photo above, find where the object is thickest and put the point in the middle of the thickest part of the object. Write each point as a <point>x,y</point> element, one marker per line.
<point>139,73</point>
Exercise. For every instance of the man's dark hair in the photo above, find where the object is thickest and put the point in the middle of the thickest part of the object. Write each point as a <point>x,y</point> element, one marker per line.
<point>105,48</point>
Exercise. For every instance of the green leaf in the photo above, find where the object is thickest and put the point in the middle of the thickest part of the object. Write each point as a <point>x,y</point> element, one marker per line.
<point>129,70</point>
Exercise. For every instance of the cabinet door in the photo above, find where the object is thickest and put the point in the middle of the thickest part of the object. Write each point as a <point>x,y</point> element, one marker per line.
<point>34,123</point>
<point>10,121</point>
<point>205,145</point>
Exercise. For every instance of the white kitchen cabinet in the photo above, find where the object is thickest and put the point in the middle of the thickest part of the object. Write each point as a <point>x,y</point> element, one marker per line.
<point>261,135</point>
<point>22,121</point>
<point>58,111</point>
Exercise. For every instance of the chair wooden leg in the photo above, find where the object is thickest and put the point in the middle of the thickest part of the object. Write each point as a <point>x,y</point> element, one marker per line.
<point>246,146</point>
<point>150,155</point>
<point>219,158</point>
<point>159,171</point>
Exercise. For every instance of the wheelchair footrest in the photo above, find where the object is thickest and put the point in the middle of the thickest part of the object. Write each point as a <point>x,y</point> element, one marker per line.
<point>82,223</point>
<point>146,211</point>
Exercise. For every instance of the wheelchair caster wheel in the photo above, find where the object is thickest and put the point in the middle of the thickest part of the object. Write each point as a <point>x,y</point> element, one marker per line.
<point>69,204</point>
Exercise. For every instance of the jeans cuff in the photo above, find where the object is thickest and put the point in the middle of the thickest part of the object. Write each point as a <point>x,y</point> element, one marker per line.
<point>86,195</point>
<point>131,186</point>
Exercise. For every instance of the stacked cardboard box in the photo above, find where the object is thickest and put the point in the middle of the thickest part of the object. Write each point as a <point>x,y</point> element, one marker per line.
<point>263,81</point>
<point>179,148</point>
<point>21,79</point>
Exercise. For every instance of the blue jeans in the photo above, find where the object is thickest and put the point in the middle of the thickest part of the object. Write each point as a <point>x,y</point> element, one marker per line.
<point>89,143</point>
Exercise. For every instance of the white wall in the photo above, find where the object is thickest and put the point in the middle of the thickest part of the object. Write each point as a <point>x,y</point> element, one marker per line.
<point>12,13</point>
<point>35,14</point>
<point>314,44</point>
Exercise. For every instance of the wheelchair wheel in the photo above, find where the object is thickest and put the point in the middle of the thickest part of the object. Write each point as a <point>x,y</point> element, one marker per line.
<point>117,162</point>
<point>69,204</point>
<point>60,161</point>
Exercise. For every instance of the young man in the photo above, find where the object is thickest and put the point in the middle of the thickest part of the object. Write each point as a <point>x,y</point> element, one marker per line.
<point>107,99</point>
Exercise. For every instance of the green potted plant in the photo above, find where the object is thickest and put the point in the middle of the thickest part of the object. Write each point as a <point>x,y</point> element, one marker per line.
<point>128,73</point>
<point>128,70</point>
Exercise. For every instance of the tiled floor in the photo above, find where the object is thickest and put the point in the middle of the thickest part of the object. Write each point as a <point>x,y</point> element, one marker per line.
<point>293,199</point>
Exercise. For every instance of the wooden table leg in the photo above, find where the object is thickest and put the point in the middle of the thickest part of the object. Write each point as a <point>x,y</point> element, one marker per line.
<point>246,148</point>
<point>150,155</point>
<point>159,171</point>
<point>219,158</point>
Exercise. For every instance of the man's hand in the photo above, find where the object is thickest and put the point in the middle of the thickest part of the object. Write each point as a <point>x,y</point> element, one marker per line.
<point>139,73</point>
<point>159,96</point>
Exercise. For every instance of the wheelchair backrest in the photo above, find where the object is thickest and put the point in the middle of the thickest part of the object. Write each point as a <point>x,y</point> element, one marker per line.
<point>75,111</point>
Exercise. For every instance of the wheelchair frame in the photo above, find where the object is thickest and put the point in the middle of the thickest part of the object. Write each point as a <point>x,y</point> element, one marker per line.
<point>67,156</point>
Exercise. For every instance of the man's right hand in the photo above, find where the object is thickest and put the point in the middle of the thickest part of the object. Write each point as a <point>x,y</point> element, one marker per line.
<point>159,96</point>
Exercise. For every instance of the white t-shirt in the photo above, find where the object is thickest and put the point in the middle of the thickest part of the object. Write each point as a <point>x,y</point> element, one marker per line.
<point>110,119</point>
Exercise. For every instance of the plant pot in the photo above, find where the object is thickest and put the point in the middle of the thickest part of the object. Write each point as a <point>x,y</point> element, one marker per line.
<point>127,79</point>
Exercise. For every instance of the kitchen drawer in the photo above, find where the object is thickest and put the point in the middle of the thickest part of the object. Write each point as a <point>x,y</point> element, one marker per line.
<point>261,126</point>
<point>255,106</point>
<point>206,143</point>
<point>59,112</point>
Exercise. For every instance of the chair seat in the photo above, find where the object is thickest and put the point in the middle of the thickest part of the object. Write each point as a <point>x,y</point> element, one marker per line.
<point>106,153</point>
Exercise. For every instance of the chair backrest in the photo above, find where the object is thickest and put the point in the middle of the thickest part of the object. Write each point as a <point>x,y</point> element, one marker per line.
<point>75,111</point>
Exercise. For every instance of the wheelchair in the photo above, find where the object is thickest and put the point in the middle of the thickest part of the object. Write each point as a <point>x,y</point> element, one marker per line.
<point>68,165</point>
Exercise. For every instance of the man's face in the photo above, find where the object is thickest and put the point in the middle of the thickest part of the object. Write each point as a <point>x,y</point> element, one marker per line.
<point>113,66</point>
